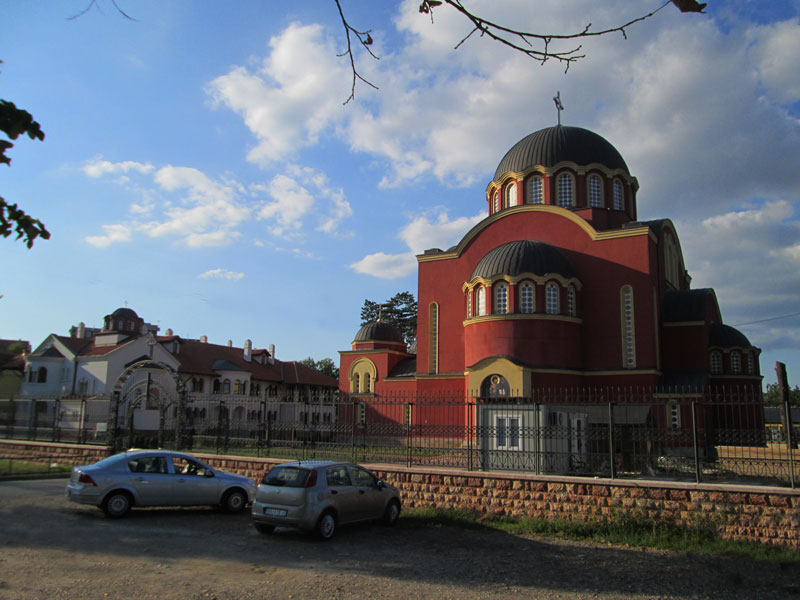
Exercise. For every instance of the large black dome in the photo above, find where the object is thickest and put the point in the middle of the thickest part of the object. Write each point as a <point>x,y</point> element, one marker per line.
<point>550,146</point>
<point>124,313</point>
<point>525,256</point>
<point>379,331</point>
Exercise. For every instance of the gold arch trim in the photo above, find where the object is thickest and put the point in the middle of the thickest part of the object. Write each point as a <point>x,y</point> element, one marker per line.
<point>590,231</point>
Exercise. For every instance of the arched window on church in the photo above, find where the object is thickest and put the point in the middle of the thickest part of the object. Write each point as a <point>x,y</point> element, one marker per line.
<point>535,190</point>
<point>716,362</point>
<point>751,364</point>
<point>595,191</point>
<point>501,298</point>
<point>551,299</point>
<point>433,332</point>
<point>481,301</point>
<point>571,306</point>
<point>367,384</point>
<point>469,304</point>
<point>736,362</point>
<point>526,297</point>
<point>226,386</point>
<point>565,188</point>
<point>511,194</point>
<point>619,203</point>
<point>628,332</point>
<point>496,202</point>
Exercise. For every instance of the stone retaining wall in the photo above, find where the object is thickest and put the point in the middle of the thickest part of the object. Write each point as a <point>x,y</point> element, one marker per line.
<point>766,515</point>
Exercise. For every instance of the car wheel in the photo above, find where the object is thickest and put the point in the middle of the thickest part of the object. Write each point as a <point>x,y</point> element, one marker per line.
<point>392,513</point>
<point>326,526</point>
<point>234,501</point>
<point>264,528</point>
<point>117,504</point>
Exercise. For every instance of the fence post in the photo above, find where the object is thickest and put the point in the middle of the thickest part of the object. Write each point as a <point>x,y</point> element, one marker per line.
<point>32,420</point>
<point>612,459</point>
<point>56,435</point>
<point>354,426</point>
<point>789,441</point>
<point>697,471</point>
<point>409,425</point>
<point>472,433</point>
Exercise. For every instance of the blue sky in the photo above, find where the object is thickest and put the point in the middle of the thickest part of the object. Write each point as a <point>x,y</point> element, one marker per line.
<point>200,165</point>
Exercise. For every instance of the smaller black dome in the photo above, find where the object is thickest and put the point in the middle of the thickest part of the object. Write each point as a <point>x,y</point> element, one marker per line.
<point>124,313</point>
<point>525,256</point>
<point>379,331</point>
<point>726,336</point>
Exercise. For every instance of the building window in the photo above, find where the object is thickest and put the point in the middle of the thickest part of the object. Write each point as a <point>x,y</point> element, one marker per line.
<point>481,301</point>
<point>674,415</point>
<point>535,190</point>
<point>367,384</point>
<point>671,261</point>
<point>628,332</point>
<point>551,299</point>
<point>595,191</point>
<point>736,362</point>
<point>526,298</point>
<point>751,364</point>
<point>42,378</point>
<point>362,413</point>
<point>501,299</point>
<point>618,198</point>
<point>226,386</point>
<point>469,304</point>
<point>216,386</point>
<point>356,383</point>
<point>237,387</point>
<point>565,190</point>
<point>511,194</point>
<point>571,311</point>
<point>433,350</point>
<point>496,202</point>
<point>716,362</point>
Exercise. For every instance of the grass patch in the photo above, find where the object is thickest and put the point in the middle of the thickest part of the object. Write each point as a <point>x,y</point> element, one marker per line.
<point>17,466</point>
<point>625,530</point>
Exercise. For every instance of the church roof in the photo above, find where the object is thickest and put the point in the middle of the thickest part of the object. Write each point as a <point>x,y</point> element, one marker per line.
<point>726,336</point>
<point>552,145</point>
<point>524,256</point>
<point>379,331</point>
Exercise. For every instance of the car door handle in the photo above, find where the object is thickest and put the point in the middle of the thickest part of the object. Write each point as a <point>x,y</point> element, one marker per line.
<point>334,492</point>
<point>140,479</point>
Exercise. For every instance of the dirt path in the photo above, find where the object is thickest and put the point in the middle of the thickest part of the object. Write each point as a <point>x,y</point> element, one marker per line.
<point>52,549</point>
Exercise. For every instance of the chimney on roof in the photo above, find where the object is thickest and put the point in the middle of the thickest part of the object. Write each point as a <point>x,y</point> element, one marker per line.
<point>248,350</point>
<point>271,358</point>
<point>203,339</point>
<point>81,330</point>
<point>168,332</point>
<point>230,343</point>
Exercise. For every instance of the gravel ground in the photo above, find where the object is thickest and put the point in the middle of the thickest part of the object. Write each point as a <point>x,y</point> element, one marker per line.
<point>51,549</point>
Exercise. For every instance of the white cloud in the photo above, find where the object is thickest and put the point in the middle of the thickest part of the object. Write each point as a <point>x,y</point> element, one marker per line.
<point>221,274</point>
<point>419,235</point>
<point>386,266</point>
<point>751,258</point>
<point>775,49</point>
<point>291,203</point>
<point>98,167</point>
<point>113,234</point>
<point>297,92</point>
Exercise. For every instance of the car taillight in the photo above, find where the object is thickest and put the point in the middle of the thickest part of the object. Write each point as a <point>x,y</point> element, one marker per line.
<point>311,481</point>
<point>87,479</point>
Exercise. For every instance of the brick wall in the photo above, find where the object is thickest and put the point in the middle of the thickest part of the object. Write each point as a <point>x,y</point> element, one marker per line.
<point>761,514</point>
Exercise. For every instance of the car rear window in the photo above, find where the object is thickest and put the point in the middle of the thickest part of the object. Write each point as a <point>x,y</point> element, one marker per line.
<point>287,477</point>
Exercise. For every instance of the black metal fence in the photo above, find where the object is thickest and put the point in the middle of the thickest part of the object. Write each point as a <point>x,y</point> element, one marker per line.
<point>719,436</point>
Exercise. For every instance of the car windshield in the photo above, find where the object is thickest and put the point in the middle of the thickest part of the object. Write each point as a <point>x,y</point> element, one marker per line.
<point>287,476</point>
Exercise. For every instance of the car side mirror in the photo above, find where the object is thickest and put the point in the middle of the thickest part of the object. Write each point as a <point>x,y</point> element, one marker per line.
<point>379,484</point>
<point>209,473</point>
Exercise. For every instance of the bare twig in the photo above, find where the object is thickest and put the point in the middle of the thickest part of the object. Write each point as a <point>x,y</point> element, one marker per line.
<point>365,39</point>
<point>94,3</point>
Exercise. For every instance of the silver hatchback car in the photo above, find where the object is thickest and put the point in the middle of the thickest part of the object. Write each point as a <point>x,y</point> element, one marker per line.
<point>156,478</point>
<point>318,496</point>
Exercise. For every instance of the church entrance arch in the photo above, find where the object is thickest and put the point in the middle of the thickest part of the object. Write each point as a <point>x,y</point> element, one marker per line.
<point>147,405</point>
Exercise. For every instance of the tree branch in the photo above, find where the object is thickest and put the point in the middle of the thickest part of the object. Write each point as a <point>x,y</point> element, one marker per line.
<point>365,39</point>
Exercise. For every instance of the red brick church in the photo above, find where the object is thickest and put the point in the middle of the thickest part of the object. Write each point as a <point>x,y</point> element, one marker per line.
<point>560,286</point>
